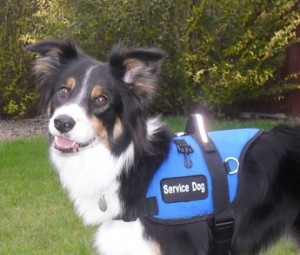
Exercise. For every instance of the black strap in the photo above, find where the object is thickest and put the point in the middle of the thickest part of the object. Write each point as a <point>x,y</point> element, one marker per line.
<point>223,216</point>
<point>145,207</point>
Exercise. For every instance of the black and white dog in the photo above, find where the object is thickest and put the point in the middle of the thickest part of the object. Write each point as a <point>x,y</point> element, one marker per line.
<point>106,150</point>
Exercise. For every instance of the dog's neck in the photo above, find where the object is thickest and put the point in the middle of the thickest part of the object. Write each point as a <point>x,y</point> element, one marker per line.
<point>90,176</point>
<point>103,186</point>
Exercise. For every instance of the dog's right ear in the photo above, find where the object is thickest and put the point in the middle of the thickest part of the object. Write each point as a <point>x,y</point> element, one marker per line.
<point>51,54</point>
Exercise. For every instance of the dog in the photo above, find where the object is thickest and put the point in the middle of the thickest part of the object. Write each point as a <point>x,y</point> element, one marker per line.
<point>106,148</point>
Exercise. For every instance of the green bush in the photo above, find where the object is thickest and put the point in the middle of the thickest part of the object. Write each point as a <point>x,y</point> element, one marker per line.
<point>234,49</point>
<point>16,89</point>
<point>220,52</point>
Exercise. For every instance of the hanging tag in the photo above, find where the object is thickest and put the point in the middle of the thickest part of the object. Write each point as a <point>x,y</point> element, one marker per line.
<point>102,204</point>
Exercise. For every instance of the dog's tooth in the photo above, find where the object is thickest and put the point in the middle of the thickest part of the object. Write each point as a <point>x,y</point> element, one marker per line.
<point>102,204</point>
<point>75,147</point>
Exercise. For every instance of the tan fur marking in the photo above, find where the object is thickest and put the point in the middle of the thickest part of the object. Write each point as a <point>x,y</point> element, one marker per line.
<point>55,52</point>
<point>118,129</point>
<point>143,84</point>
<point>71,83</point>
<point>46,64</point>
<point>43,66</point>
<point>101,131</point>
<point>97,91</point>
<point>132,63</point>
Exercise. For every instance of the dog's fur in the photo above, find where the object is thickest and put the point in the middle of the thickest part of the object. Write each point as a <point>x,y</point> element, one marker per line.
<point>106,148</point>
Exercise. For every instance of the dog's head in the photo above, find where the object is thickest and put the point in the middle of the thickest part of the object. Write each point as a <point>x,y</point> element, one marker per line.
<point>92,101</point>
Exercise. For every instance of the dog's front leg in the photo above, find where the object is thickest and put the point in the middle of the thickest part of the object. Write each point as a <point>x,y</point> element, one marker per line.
<point>124,238</point>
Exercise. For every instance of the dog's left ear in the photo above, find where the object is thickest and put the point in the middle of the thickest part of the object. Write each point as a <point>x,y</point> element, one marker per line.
<point>137,68</point>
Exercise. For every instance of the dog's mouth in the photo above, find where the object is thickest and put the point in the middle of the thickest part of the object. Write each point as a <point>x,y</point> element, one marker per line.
<point>65,145</point>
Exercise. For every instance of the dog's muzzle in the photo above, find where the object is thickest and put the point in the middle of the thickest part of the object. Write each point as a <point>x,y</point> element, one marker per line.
<point>64,124</point>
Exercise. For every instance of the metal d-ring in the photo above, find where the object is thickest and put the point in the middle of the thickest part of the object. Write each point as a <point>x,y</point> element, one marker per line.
<point>235,171</point>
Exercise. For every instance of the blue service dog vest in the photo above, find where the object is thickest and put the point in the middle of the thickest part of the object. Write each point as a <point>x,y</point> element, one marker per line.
<point>185,191</point>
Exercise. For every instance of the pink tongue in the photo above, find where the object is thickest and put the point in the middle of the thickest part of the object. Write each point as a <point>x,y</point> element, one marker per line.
<point>63,143</point>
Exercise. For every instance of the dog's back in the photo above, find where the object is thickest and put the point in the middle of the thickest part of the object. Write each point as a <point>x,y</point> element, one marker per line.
<point>268,203</point>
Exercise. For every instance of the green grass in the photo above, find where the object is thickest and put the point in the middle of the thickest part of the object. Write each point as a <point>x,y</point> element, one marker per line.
<point>283,248</point>
<point>36,217</point>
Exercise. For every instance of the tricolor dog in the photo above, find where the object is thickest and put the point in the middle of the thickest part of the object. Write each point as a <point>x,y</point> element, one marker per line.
<point>107,151</point>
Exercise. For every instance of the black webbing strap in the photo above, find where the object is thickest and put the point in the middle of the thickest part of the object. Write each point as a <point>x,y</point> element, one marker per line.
<point>145,207</point>
<point>223,217</point>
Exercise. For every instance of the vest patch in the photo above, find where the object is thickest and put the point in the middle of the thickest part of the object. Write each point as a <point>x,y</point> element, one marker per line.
<point>184,189</point>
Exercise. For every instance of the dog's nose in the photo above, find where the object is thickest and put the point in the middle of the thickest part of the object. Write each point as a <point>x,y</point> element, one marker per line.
<point>64,123</point>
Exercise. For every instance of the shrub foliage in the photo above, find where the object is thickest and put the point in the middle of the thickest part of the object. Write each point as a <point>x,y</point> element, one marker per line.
<point>234,51</point>
<point>220,52</point>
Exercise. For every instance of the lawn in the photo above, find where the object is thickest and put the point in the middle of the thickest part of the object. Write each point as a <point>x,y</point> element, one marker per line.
<point>36,217</point>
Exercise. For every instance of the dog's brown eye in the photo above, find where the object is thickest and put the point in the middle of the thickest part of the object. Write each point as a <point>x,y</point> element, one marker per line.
<point>63,92</point>
<point>101,100</point>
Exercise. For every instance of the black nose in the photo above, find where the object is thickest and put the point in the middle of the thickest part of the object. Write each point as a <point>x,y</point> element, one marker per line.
<point>64,123</point>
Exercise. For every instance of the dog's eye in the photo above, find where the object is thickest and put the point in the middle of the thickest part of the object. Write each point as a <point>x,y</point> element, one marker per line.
<point>63,92</point>
<point>101,100</point>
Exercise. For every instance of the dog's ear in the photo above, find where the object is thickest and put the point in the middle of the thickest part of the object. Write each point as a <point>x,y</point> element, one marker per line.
<point>51,54</point>
<point>137,68</point>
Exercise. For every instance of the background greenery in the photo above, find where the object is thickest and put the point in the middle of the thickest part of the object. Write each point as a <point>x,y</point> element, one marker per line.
<point>36,217</point>
<point>220,52</point>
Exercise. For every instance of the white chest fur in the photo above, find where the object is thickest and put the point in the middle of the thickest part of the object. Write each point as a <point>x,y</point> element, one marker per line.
<point>124,238</point>
<point>88,176</point>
